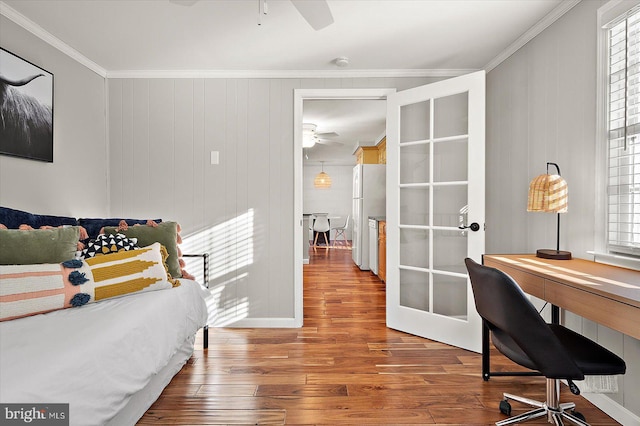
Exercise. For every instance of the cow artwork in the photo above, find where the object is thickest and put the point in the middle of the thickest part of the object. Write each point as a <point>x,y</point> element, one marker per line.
<point>26,109</point>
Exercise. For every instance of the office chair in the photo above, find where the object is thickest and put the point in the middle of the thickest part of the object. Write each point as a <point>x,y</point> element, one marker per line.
<point>321,226</point>
<point>340,231</point>
<point>520,333</point>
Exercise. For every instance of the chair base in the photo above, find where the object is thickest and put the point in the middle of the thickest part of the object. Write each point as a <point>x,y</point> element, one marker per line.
<point>340,233</point>
<point>554,411</point>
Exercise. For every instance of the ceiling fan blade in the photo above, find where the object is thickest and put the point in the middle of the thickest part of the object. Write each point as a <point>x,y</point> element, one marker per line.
<point>328,142</point>
<point>316,12</point>
<point>327,134</point>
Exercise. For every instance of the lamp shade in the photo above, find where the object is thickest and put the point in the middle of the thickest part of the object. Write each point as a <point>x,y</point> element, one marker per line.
<point>548,193</point>
<point>322,181</point>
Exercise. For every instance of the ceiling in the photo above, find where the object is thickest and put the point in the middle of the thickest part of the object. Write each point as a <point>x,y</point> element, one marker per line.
<point>400,37</point>
<point>357,122</point>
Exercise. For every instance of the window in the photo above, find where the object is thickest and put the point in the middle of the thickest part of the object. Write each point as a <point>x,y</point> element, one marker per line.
<point>623,134</point>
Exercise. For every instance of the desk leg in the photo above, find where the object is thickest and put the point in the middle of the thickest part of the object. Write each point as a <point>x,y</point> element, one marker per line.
<point>555,314</point>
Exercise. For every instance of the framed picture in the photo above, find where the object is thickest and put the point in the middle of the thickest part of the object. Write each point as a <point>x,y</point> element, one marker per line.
<point>26,108</point>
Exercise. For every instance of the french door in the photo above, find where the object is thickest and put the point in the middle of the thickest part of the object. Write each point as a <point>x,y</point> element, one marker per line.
<point>435,186</point>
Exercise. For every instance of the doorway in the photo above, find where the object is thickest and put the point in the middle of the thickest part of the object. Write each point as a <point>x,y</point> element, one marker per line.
<point>301,230</point>
<point>435,152</point>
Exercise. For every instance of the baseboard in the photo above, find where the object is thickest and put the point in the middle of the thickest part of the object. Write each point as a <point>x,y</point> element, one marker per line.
<point>619,413</point>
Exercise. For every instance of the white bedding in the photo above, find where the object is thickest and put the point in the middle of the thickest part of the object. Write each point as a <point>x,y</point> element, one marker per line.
<point>97,356</point>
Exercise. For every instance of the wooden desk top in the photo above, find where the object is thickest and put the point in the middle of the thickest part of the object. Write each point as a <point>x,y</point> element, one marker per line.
<point>607,294</point>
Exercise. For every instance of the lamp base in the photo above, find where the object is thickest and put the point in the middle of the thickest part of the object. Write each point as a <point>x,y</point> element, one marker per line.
<point>553,254</point>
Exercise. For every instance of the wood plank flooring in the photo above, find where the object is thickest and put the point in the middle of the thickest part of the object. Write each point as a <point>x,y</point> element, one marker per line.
<point>343,367</point>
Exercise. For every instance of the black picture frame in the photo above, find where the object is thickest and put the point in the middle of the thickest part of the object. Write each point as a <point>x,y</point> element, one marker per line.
<point>26,100</point>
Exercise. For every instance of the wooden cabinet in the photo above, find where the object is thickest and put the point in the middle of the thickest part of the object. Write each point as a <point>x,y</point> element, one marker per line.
<point>372,154</point>
<point>367,155</point>
<point>382,151</point>
<point>382,250</point>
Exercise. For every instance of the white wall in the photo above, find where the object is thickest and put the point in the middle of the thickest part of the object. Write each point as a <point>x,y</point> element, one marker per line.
<point>541,106</point>
<point>335,200</point>
<point>75,184</point>
<point>161,132</point>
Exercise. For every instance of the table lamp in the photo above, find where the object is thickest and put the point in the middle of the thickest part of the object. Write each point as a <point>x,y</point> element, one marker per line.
<point>549,193</point>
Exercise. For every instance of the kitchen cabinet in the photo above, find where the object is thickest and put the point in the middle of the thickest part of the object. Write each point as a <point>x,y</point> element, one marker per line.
<point>367,155</point>
<point>382,151</point>
<point>382,250</point>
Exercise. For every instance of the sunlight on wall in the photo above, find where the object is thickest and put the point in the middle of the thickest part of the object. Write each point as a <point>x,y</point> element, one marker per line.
<point>231,246</point>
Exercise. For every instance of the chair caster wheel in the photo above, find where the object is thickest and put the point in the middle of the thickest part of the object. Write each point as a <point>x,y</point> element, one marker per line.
<point>505,407</point>
<point>579,415</point>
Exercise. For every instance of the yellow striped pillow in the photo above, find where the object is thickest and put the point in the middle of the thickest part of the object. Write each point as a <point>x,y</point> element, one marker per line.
<point>34,289</point>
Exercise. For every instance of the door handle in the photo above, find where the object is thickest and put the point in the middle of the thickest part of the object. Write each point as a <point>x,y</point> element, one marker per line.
<point>474,227</point>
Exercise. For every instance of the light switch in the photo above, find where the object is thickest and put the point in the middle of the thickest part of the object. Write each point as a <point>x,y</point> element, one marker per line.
<point>215,157</point>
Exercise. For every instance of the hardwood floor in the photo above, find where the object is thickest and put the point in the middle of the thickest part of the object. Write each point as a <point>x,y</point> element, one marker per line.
<point>343,367</point>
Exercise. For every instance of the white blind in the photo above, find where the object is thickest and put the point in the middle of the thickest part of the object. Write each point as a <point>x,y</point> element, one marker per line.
<point>623,188</point>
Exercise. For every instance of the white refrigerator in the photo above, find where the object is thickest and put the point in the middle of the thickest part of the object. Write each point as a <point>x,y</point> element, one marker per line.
<point>369,199</point>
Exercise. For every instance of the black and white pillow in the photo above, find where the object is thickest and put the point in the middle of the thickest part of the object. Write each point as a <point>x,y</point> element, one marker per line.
<point>108,243</point>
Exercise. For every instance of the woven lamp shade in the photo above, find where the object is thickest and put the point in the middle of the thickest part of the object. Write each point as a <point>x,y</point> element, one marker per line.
<point>322,181</point>
<point>548,193</point>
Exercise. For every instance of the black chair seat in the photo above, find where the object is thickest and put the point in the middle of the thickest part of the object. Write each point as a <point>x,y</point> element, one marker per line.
<point>591,358</point>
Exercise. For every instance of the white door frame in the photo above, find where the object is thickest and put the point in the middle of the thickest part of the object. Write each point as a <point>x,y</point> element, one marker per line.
<point>299,96</point>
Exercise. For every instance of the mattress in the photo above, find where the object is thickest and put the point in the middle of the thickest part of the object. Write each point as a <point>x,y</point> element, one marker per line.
<point>98,356</point>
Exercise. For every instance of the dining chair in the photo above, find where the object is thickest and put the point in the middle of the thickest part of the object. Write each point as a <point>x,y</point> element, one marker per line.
<point>341,231</point>
<point>321,226</point>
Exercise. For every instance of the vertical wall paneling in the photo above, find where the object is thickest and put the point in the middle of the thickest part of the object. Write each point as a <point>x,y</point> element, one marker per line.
<point>127,159</point>
<point>240,211</point>
<point>245,232</point>
<point>183,150</point>
<point>115,144</point>
<point>258,156</point>
<point>200,157</point>
<point>161,140</point>
<point>139,150</point>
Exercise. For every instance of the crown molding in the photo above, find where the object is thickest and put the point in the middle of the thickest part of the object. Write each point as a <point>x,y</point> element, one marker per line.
<point>49,38</point>
<point>368,73</point>
<point>550,18</point>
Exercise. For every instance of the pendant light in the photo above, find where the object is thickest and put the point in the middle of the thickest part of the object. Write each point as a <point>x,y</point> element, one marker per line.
<point>322,180</point>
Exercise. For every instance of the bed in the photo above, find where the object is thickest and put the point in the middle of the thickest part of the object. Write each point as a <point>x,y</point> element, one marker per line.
<point>91,313</point>
<point>109,360</point>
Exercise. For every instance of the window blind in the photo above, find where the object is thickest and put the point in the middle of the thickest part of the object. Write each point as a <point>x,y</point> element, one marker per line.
<point>623,189</point>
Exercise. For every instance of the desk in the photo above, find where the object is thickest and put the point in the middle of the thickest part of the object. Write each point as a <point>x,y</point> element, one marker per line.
<point>606,294</point>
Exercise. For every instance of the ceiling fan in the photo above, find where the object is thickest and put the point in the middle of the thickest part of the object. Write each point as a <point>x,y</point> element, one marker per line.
<point>310,136</point>
<point>315,12</point>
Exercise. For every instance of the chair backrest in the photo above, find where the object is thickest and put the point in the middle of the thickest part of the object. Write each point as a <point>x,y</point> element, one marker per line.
<point>321,224</point>
<point>345,225</point>
<point>513,319</point>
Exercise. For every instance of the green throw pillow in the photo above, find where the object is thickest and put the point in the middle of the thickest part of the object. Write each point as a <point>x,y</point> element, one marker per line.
<point>166,233</point>
<point>18,247</point>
